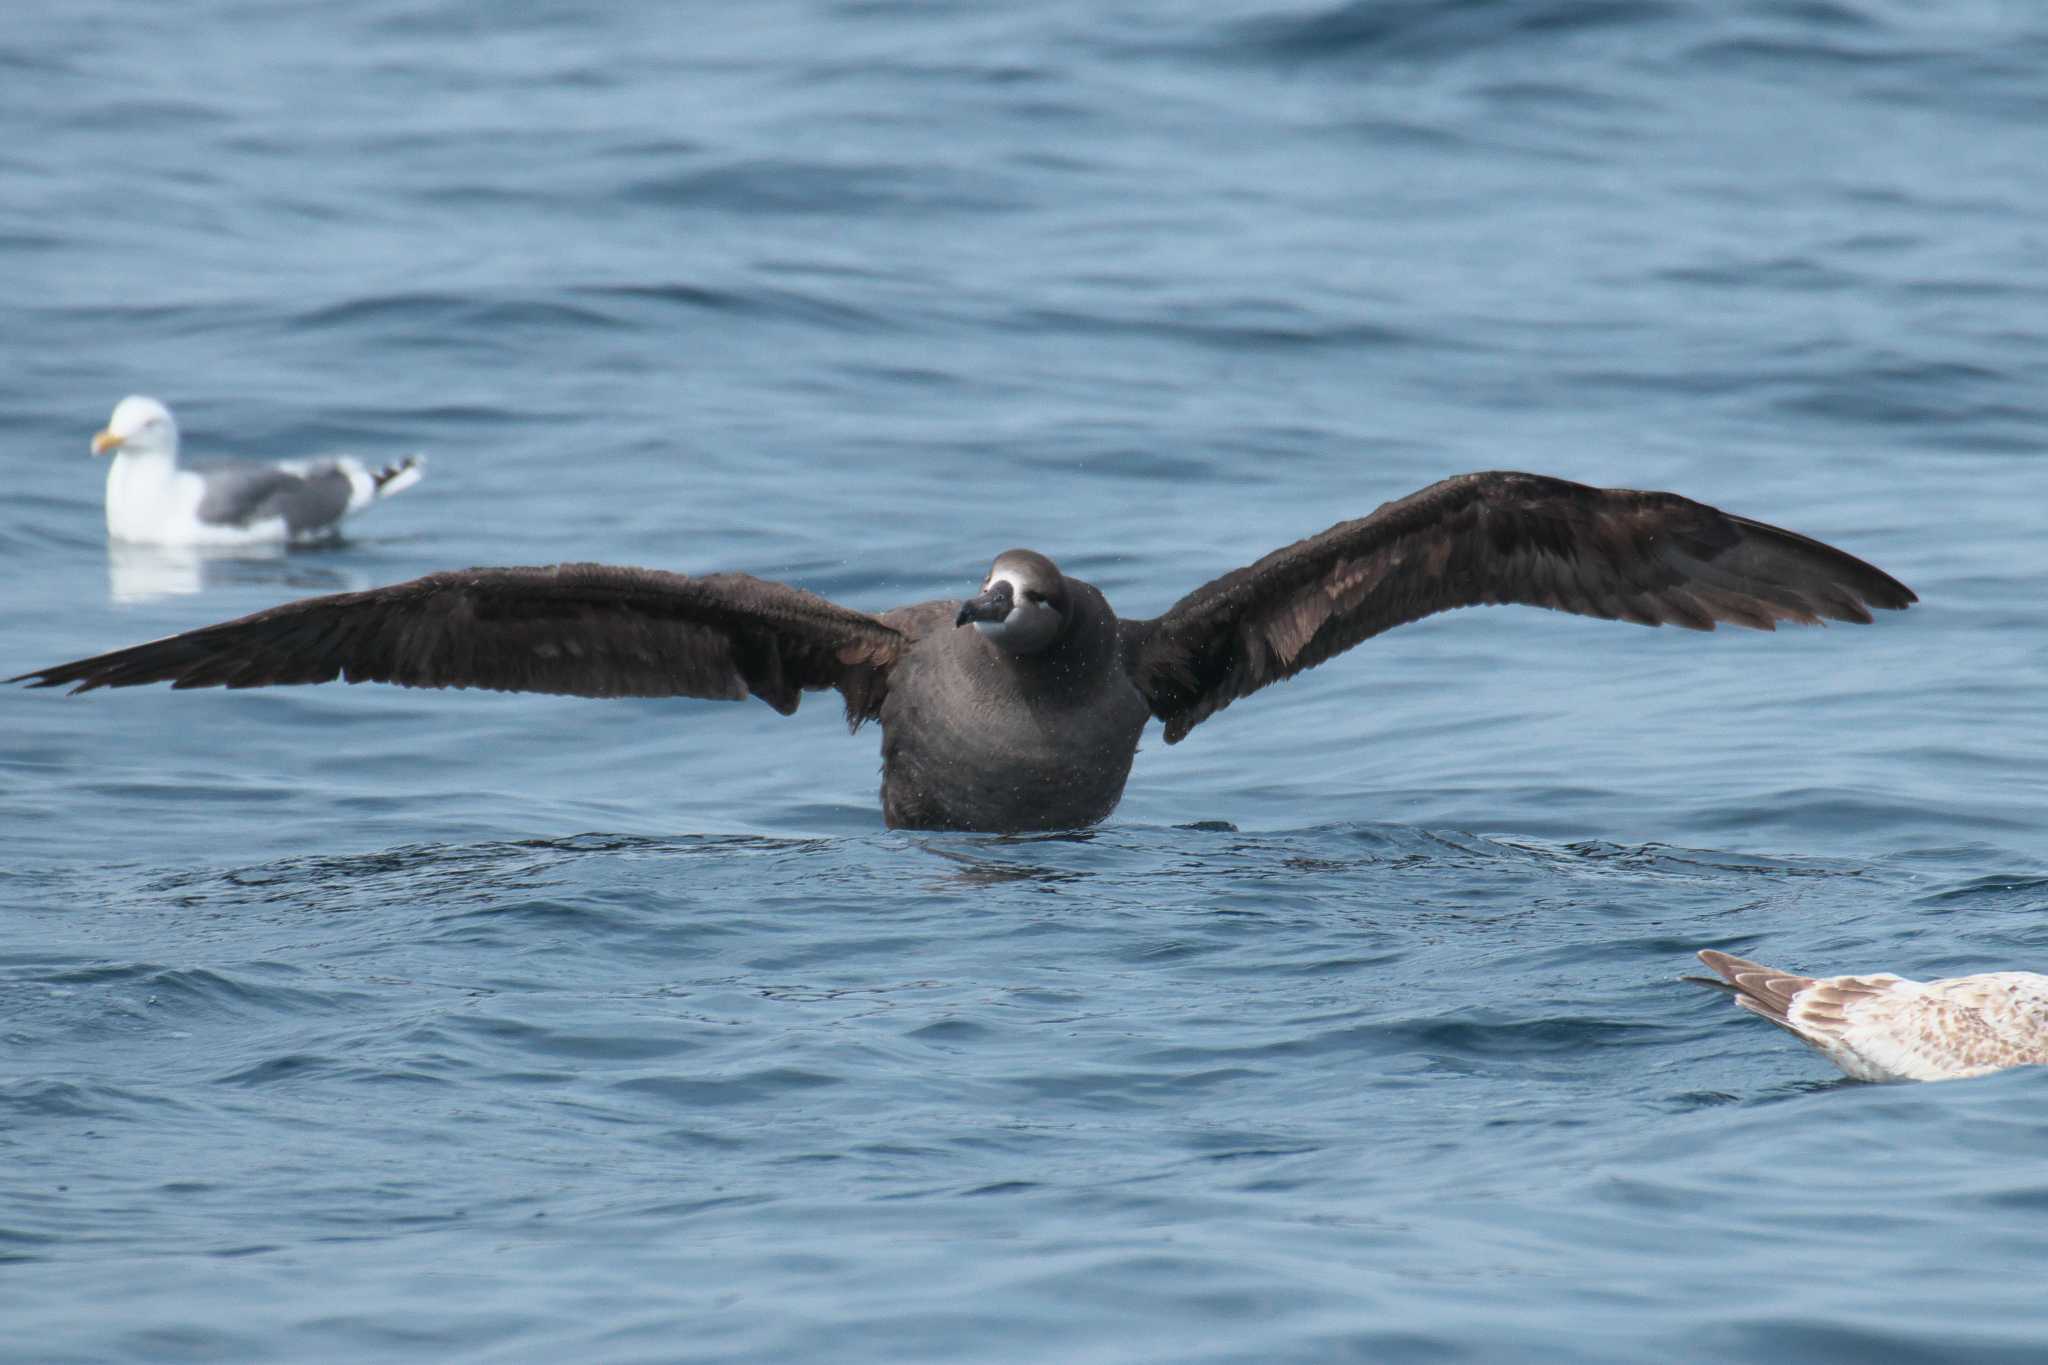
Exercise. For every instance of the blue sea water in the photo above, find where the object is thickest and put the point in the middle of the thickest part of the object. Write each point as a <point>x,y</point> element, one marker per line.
<point>354,1023</point>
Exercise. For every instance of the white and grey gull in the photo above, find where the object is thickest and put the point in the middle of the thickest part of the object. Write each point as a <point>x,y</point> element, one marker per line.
<point>1031,719</point>
<point>154,500</point>
<point>1882,1027</point>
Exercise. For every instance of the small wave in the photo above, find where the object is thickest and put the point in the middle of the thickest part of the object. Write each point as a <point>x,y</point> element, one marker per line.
<point>1224,327</point>
<point>1430,29</point>
<point>447,315</point>
<point>1786,274</point>
<point>1481,1034</point>
<point>2023,892</point>
<point>186,992</point>
<point>1801,54</point>
<point>782,187</point>
<point>47,1097</point>
<point>155,114</point>
<point>755,301</point>
<point>753,1087</point>
<point>1965,403</point>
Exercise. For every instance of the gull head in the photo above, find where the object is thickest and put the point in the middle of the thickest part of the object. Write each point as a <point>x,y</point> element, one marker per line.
<point>141,426</point>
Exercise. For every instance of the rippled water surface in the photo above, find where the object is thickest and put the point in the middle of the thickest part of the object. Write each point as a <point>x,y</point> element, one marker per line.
<point>353,1023</point>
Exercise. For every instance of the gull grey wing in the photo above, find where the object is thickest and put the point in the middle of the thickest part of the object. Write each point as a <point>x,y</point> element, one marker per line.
<point>1484,539</point>
<point>586,630</point>
<point>237,496</point>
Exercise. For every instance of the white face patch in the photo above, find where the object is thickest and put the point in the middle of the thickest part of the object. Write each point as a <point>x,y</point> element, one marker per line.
<point>1030,626</point>
<point>996,630</point>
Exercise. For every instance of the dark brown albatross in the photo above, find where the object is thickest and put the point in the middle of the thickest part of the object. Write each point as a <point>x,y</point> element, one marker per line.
<point>1031,720</point>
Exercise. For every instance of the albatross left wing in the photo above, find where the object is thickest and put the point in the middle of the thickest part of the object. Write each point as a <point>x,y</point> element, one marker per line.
<point>1485,539</point>
<point>587,630</point>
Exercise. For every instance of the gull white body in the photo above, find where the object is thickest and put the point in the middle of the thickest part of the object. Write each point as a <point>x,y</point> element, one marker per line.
<point>152,500</point>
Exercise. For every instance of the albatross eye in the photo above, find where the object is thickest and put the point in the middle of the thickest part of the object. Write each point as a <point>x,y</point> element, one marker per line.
<point>1034,597</point>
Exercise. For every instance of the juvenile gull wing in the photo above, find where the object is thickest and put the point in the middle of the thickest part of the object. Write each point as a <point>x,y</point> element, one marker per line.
<point>1487,539</point>
<point>1887,1028</point>
<point>586,630</point>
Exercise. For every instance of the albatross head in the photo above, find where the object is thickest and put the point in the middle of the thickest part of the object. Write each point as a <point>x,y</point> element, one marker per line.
<point>139,425</point>
<point>1022,606</point>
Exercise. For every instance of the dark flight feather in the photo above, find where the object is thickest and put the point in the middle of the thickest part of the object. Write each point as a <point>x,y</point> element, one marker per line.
<point>585,630</point>
<point>1480,540</point>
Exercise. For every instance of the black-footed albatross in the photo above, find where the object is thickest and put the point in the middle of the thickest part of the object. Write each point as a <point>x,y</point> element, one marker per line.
<point>1030,720</point>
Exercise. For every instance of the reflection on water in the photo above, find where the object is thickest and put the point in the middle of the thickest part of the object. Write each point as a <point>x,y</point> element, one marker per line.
<point>145,573</point>
<point>980,864</point>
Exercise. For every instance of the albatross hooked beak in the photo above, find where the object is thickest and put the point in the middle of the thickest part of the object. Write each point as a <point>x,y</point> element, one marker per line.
<point>994,604</point>
<point>107,441</point>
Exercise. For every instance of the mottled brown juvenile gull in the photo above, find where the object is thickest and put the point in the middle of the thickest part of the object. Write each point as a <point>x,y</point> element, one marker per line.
<point>1887,1028</point>
<point>151,500</point>
<point>1031,719</point>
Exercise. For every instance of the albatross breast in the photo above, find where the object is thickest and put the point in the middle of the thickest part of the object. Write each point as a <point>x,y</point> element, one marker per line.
<point>973,738</point>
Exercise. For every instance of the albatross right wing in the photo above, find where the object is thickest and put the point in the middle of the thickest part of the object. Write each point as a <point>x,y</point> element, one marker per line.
<point>586,630</point>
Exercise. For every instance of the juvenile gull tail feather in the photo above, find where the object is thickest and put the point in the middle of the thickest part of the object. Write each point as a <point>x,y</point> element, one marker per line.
<point>1888,1028</point>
